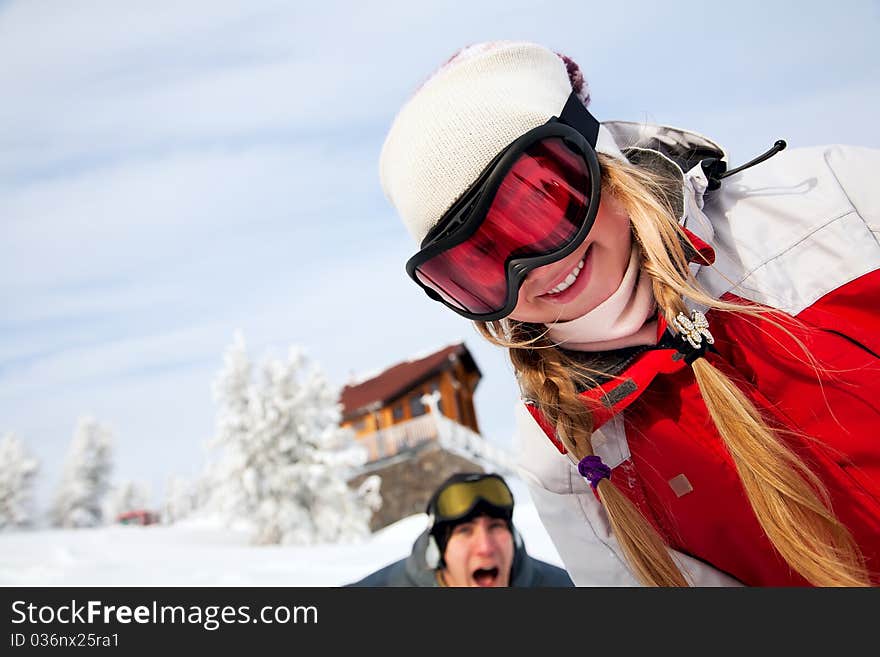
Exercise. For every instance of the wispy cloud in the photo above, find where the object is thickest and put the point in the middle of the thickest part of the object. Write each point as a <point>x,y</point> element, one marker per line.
<point>170,172</point>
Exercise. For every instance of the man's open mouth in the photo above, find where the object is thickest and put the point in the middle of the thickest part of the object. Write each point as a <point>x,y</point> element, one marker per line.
<point>485,576</point>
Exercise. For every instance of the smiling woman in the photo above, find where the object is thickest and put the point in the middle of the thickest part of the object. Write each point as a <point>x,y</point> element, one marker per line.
<point>685,337</point>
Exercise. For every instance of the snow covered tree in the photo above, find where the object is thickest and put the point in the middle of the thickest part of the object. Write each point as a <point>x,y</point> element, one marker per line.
<point>85,479</point>
<point>124,497</point>
<point>204,497</point>
<point>17,471</point>
<point>371,494</point>
<point>285,460</point>
<point>180,500</point>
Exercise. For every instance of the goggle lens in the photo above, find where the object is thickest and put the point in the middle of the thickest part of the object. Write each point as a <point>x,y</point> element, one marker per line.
<point>457,500</point>
<point>539,207</point>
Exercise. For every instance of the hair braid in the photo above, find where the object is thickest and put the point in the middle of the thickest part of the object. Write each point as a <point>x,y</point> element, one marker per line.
<point>788,499</point>
<point>546,377</point>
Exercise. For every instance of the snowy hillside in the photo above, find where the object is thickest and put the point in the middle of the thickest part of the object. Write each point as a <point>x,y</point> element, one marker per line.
<point>202,553</point>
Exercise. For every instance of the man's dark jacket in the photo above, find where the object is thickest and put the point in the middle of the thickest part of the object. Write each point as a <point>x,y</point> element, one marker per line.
<point>414,571</point>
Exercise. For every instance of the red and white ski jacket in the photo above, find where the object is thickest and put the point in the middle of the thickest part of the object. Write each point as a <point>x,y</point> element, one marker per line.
<point>798,233</point>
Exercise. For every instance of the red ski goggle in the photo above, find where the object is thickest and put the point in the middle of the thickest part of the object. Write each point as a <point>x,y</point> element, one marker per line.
<point>532,205</point>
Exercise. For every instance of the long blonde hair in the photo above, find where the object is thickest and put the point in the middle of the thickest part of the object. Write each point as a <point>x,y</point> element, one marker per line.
<point>788,499</point>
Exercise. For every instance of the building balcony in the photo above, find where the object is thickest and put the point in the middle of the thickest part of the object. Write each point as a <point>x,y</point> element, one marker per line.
<point>398,438</point>
<point>406,437</point>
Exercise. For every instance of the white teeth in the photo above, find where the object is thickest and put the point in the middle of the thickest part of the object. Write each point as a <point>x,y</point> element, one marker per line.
<point>571,278</point>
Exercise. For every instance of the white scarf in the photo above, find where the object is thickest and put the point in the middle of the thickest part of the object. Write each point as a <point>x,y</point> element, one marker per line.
<point>617,322</point>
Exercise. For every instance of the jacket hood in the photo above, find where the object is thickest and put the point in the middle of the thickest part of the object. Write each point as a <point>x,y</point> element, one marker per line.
<point>684,148</point>
<point>682,155</point>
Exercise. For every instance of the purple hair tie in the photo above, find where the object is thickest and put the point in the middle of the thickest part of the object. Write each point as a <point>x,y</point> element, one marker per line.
<point>593,470</point>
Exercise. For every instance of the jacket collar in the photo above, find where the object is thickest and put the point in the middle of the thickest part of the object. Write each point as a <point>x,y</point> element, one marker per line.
<point>631,370</point>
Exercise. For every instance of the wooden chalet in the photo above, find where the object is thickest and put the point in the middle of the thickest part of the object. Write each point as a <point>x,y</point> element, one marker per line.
<point>384,410</point>
<point>402,416</point>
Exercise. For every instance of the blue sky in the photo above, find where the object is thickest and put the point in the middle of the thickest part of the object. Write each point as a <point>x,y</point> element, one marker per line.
<point>171,172</point>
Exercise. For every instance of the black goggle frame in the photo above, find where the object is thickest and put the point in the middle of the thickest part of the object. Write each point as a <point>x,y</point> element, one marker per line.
<point>578,129</point>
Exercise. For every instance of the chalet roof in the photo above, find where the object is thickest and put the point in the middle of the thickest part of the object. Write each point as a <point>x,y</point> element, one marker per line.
<point>397,379</point>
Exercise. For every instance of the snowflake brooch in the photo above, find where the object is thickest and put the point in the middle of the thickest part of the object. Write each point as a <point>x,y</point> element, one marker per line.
<point>694,329</point>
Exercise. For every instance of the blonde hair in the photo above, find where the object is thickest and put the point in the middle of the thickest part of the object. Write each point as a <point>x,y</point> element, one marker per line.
<point>788,499</point>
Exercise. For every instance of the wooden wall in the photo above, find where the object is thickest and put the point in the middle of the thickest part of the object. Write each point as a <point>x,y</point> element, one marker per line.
<point>456,386</point>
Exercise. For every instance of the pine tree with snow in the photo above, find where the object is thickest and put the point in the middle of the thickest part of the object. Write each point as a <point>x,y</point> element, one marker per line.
<point>17,471</point>
<point>180,500</point>
<point>285,460</point>
<point>85,479</point>
<point>124,497</point>
<point>204,487</point>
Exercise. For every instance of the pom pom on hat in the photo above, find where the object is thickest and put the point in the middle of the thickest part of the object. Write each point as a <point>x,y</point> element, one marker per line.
<point>576,77</point>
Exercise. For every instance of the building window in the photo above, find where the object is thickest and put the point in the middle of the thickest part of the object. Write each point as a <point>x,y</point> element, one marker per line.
<point>397,411</point>
<point>360,425</point>
<point>416,407</point>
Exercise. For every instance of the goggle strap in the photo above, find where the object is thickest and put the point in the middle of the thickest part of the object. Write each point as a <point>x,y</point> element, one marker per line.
<point>576,115</point>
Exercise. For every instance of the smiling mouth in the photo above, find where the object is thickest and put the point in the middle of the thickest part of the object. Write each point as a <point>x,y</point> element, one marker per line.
<point>485,576</point>
<point>571,278</point>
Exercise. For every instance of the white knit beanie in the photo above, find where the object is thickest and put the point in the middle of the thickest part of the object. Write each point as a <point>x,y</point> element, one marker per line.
<point>467,112</point>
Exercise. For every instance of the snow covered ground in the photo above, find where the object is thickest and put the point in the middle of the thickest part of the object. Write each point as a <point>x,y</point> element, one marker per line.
<point>200,552</point>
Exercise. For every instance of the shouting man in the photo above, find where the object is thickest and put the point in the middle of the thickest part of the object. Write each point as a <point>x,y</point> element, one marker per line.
<point>471,541</point>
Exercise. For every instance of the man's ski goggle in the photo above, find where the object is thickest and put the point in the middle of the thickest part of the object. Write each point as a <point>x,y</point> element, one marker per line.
<point>459,498</point>
<point>532,205</point>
